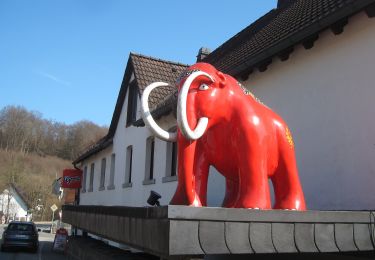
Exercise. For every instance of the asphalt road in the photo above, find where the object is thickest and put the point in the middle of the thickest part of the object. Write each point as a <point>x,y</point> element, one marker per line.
<point>44,252</point>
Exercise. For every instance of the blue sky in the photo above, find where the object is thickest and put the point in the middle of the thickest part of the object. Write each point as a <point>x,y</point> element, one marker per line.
<point>66,59</point>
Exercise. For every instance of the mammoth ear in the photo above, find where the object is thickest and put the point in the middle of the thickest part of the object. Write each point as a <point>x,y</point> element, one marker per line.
<point>222,79</point>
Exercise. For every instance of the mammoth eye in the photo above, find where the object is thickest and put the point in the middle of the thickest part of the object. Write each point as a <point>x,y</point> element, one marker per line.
<point>203,87</point>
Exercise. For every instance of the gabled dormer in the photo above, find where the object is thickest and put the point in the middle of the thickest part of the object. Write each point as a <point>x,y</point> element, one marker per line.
<point>140,71</point>
<point>147,70</point>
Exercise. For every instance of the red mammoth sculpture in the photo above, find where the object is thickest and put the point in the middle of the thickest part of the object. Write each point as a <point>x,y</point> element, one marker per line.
<point>223,125</point>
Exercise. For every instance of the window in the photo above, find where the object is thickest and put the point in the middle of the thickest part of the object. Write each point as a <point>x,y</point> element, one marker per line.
<point>84,179</point>
<point>91,177</point>
<point>171,159</point>
<point>149,170</point>
<point>102,174</point>
<point>132,103</point>
<point>111,185</point>
<point>128,167</point>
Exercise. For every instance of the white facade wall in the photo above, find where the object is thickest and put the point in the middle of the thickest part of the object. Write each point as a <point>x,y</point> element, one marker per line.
<point>326,95</point>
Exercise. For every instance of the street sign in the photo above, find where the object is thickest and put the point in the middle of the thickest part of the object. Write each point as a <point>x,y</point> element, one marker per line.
<point>54,207</point>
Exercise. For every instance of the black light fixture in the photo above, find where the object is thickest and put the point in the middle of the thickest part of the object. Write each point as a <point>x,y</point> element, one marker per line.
<point>153,199</point>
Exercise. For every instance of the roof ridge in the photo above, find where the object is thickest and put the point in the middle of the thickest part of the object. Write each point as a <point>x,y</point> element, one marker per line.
<point>158,59</point>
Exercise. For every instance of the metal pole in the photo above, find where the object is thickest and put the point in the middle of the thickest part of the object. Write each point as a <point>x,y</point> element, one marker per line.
<point>53,216</point>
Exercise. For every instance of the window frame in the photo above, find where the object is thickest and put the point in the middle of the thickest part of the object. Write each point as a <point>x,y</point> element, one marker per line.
<point>128,167</point>
<point>83,189</point>
<point>112,172</point>
<point>150,161</point>
<point>92,173</point>
<point>102,174</point>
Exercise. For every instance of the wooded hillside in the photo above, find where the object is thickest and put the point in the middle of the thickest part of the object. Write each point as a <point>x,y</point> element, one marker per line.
<point>34,151</point>
<point>27,132</point>
<point>33,175</point>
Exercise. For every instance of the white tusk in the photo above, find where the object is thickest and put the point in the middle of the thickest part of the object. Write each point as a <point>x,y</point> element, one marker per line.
<point>181,110</point>
<point>149,120</point>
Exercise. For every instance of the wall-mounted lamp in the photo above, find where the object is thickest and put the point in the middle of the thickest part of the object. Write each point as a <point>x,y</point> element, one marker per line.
<point>153,199</point>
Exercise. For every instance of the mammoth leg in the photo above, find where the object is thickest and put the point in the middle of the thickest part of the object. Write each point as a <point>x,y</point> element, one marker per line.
<point>185,191</point>
<point>287,186</point>
<point>201,171</point>
<point>192,174</point>
<point>253,184</point>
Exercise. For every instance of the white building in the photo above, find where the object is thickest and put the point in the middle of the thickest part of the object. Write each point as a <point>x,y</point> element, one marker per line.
<point>13,205</point>
<point>310,61</point>
<point>315,70</point>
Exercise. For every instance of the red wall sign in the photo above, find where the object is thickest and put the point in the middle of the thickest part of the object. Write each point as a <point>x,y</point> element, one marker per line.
<point>71,179</point>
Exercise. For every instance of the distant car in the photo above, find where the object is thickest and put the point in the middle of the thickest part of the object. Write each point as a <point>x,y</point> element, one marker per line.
<point>45,228</point>
<point>20,234</point>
